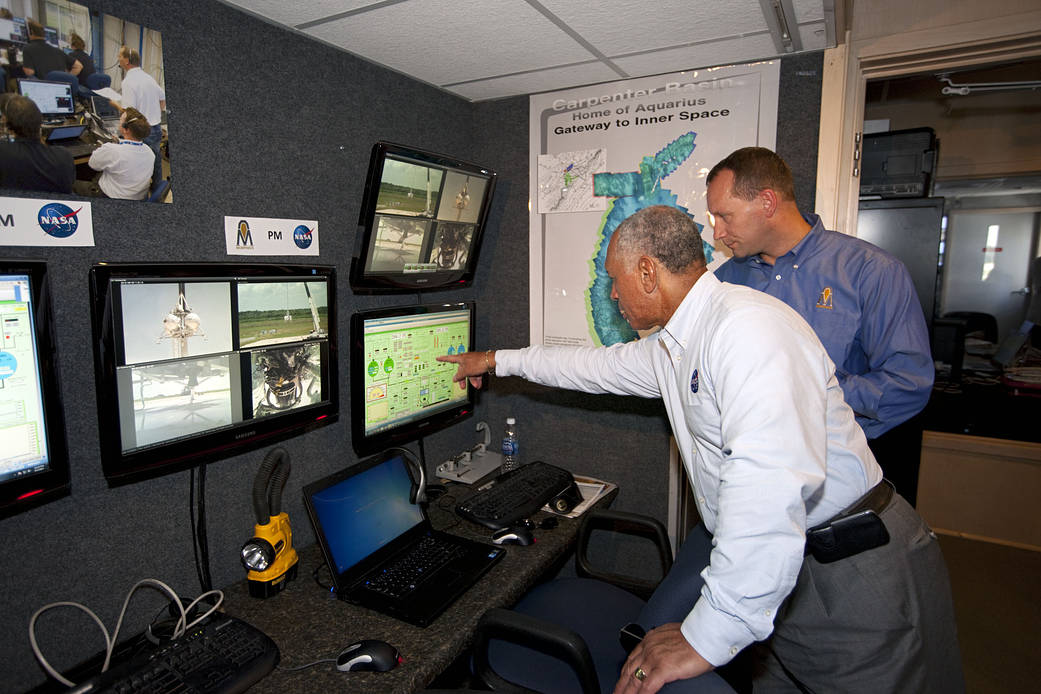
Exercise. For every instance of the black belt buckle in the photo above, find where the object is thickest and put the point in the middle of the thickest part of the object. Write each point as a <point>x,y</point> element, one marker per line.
<point>846,536</point>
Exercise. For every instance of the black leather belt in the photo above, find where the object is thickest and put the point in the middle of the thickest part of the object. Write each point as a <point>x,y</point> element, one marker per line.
<point>855,529</point>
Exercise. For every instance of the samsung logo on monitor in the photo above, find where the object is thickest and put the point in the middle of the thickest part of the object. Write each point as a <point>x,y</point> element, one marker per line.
<point>245,434</point>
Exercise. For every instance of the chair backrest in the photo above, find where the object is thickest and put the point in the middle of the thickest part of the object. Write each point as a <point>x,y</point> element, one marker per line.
<point>977,321</point>
<point>98,80</point>
<point>59,76</point>
<point>160,190</point>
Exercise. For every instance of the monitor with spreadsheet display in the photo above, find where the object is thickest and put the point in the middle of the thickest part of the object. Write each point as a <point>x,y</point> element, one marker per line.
<point>52,98</point>
<point>34,463</point>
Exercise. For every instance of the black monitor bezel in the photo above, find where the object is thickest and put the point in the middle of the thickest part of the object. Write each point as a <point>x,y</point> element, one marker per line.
<point>373,443</point>
<point>124,468</point>
<point>365,281</point>
<point>21,494</point>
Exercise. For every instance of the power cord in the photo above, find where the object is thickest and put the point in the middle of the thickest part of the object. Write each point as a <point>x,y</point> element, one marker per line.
<point>197,517</point>
<point>182,625</point>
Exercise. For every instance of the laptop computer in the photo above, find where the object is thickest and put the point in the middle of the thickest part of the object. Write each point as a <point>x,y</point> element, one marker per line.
<point>68,137</point>
<point>1010,347</point>
<point>64,134</point>
<point>106,113</point>
<point>368,530</point>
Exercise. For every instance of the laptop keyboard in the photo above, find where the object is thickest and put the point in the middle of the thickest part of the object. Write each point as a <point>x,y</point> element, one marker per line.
<point>404,575</point>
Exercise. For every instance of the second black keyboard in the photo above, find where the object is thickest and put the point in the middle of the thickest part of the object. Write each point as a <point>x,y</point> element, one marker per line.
<point>517,494</point>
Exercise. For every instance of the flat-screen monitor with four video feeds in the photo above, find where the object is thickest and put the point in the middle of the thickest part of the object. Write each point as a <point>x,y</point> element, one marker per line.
<point>52,98</point>
<point>422,219</point>
<point>202,361</point>
<point>399,391</point>
<point>34,461</point>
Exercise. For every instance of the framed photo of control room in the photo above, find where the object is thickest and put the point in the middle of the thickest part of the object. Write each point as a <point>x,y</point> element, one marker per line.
<point>83,103</point>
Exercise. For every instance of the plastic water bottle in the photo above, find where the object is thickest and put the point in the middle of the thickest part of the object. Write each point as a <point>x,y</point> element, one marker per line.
<point>510,450</point>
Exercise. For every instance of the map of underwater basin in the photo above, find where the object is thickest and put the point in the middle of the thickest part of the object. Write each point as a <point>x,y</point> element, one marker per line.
<point>631,192</point>
<point>565,181</point>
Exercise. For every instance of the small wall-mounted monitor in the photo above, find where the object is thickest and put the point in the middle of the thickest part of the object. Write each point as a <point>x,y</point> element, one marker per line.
<point>399,391</point>
<point>421,223</point>
<point>34,461</point>
<point>50,35</point>
<point>197,362</point>
<point>52,98</point>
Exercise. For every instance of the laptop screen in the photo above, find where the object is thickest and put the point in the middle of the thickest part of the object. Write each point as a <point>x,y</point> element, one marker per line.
<point>366,511</point>
<point>65,132</point>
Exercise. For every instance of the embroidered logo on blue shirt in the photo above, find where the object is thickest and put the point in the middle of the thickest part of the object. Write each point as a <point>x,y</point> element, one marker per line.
<point>694,381</point>
<point>824,300</point>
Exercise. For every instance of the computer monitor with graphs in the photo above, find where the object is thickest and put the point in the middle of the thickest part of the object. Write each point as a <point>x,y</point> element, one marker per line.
<point>34,462</point>
<point>52,98</point>
<point>399,391</point>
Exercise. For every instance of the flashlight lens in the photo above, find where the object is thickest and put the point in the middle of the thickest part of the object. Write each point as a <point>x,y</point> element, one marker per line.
<point>257,555</point>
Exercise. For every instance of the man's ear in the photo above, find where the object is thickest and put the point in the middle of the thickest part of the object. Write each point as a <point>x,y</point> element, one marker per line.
<point>768,201</point>
<point>648,273</point>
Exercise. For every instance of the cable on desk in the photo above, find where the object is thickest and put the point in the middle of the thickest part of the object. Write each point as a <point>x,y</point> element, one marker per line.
<point>182,625</point>
<point>314,575</point>
<point>304,667</point>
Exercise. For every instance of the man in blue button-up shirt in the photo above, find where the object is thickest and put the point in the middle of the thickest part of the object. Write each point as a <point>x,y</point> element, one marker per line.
<point>858,298</point>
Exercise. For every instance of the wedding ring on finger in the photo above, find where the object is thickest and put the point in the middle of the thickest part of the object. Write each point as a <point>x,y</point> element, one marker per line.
<point>639,674</point>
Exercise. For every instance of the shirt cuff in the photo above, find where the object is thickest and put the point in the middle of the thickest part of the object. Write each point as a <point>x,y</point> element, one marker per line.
<point>505,361</point>
<point>716,636</point>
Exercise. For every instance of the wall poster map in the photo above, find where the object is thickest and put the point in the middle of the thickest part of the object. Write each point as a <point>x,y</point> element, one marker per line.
<point>601,153</point>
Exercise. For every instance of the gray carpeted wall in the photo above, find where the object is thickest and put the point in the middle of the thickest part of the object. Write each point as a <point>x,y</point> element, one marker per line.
<point>267,123</point>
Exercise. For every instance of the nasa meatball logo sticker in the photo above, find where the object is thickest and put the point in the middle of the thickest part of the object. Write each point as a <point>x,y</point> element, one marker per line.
<point>270,236</point>
<point>36,222</point>
<point>58,220</point>
<point>302,236</point>
<point>694,381</point>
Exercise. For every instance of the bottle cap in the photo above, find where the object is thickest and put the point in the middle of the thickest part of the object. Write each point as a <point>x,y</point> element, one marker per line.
<point>511,420</point>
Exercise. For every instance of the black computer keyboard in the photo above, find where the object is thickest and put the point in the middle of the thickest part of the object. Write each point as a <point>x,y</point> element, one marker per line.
<point>223,656</point>
<point>401,578</point>
<point>517,494</point>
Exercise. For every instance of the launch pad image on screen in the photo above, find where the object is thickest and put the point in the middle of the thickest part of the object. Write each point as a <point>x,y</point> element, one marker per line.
<point>276,312</point>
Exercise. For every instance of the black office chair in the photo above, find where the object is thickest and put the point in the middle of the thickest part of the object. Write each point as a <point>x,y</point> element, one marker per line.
<point>563,635</point>
<point>160,190</point>
<point>98,80</point>
<point>975,321</point>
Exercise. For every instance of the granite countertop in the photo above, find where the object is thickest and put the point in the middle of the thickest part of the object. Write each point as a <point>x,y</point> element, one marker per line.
<point>308,623</point>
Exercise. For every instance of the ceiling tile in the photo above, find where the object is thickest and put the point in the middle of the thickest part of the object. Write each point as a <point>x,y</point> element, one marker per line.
<point>623,26</point>
<point>293,13</point>
<point>535,82</point>
<point>723,52</point>
<point>449,41</point>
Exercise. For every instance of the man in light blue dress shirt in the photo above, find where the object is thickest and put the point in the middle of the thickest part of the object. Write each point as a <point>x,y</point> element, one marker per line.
<point>859,299</point>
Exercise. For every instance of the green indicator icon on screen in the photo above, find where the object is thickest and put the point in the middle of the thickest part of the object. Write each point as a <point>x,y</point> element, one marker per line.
<point>388,365</point>
<point>373,368</point>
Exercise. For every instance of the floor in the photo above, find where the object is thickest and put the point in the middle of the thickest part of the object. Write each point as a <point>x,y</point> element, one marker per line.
<point>997,603</point>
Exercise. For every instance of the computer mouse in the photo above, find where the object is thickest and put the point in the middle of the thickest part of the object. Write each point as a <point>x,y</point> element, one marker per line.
<point>370,654</point>
<point>515,535</point>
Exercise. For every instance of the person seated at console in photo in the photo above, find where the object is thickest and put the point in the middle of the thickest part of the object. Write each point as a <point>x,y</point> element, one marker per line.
<point>40,57</point>
<point>26,163</point>
<point>125,166</point>
<point>79,61</point>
